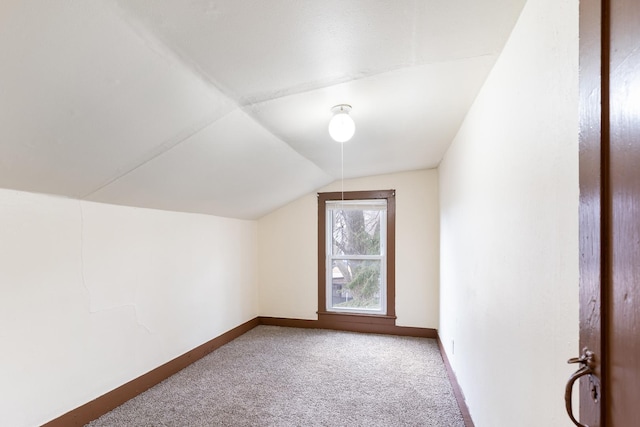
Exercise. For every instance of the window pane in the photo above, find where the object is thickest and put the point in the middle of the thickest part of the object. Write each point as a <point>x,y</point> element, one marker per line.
<point>356,284</point>
<point>356,231</point>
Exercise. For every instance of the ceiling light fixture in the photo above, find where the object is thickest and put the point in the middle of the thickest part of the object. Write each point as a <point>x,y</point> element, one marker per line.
<point>341,125</point>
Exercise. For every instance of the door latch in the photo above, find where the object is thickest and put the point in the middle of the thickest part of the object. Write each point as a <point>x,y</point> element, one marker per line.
<point>586,361</point>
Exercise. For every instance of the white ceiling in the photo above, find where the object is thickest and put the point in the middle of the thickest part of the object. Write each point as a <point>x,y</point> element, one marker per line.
<point>221,107</point>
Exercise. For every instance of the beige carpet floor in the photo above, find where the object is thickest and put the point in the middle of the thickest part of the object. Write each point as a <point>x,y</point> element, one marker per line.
<point>274,376</point>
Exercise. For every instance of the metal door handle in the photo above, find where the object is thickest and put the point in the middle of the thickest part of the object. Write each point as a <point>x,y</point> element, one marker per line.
<point>585,359</point>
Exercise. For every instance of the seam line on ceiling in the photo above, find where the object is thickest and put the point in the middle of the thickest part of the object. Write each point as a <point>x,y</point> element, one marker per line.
<point>156,44</point>
<point>164,148</point>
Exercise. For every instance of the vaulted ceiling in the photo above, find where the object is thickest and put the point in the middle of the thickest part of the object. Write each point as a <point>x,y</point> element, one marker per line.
<point>222,106</point>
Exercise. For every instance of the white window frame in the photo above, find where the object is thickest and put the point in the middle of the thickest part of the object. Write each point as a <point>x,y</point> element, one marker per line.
<point>374,204</point>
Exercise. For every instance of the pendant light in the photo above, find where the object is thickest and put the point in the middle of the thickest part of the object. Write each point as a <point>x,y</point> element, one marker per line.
<point>341,125</point>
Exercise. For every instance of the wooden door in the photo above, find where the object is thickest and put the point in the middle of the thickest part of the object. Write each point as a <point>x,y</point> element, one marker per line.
<point>622,338</point>
<point>610,211</point>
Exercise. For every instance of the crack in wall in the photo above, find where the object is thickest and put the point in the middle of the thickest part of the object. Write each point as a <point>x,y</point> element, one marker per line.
<point>126,305</point>
<point>87,289</point>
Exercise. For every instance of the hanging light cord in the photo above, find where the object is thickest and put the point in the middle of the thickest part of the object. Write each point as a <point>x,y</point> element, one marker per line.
<point>342,168</point>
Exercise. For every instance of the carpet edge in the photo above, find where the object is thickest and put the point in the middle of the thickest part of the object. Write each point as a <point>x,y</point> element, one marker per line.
<point>101,405</point>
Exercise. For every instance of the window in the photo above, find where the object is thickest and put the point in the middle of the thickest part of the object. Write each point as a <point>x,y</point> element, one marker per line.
<point>356,253</point>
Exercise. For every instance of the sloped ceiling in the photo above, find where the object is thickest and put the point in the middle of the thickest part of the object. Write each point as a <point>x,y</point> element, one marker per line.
<point>221,107</point>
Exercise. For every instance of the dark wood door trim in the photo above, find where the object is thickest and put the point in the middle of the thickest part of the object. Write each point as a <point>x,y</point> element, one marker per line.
<point>593,213</point>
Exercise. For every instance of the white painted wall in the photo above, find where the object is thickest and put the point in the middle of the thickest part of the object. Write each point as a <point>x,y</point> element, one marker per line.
<point>288,260</point>
<point>509,228</point>
<point>95,295</point>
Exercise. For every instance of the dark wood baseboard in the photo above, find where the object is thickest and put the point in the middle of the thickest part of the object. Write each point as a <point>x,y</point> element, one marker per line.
<point>111,400</point>
<point>351,324</point>
<point>462,404</point>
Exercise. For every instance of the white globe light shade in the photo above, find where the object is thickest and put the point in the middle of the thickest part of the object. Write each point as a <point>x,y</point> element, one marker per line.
<point>341,126</point>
